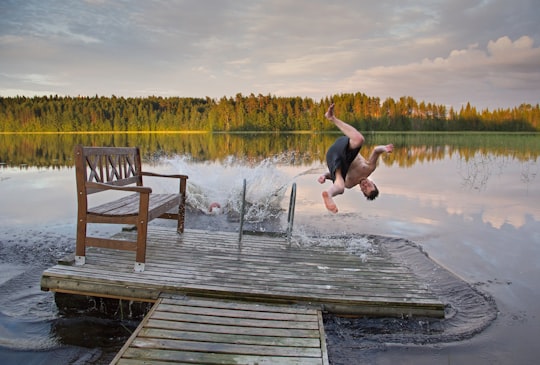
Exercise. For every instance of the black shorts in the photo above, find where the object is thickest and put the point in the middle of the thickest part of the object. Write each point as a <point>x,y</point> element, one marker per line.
<point>339,155</point>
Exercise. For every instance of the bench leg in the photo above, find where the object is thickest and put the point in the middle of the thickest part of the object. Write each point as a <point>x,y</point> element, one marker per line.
<point>139,267</point>
<point>142,231</point>
<point>181,216</point>
<point>80,249</point>
<point>182,208</point>
<point>140,256</point>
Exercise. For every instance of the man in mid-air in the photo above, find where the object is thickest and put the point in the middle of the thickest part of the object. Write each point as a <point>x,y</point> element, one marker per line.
<point>347,168</point>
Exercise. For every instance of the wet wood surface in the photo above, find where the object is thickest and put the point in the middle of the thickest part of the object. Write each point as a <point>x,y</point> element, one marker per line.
<point>260,268</point>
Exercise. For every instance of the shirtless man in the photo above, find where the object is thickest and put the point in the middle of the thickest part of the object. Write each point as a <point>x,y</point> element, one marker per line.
<point>347,168</point>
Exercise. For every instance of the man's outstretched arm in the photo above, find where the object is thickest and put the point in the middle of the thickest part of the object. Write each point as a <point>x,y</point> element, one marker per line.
<point>377,151</point>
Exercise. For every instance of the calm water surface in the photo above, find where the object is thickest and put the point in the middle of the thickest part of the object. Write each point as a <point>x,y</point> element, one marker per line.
<point>474,207</point>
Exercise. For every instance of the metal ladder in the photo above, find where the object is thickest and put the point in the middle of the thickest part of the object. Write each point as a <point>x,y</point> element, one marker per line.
<point>290,216</point>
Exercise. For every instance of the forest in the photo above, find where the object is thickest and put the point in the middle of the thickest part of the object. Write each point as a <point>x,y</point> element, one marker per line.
<point>264,113</point>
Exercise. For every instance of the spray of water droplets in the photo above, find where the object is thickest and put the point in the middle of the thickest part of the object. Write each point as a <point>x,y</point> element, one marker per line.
<point>217,187</point>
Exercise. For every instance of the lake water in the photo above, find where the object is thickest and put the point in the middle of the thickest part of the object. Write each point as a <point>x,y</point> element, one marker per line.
<point>472,202</point>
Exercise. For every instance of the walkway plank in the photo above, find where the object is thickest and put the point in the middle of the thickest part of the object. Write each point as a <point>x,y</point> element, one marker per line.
<point>239,333</point>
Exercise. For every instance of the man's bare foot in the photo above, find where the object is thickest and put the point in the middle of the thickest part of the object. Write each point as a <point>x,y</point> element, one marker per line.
<point>329,202</point>
<point>330,112</point>
<point>321,179</point>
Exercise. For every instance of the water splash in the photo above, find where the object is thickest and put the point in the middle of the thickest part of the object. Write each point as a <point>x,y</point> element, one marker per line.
<point>222,183</point>
<point>360,246</point>
<point>468,312</point>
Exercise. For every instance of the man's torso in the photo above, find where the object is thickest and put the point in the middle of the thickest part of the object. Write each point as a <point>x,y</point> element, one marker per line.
<point>360,169</point>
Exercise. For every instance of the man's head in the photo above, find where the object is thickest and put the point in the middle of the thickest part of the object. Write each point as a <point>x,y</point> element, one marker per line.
<point>369,189</point>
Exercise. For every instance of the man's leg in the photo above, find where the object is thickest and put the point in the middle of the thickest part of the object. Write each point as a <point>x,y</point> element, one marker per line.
<point>356,139</point>
<point>338,187</point>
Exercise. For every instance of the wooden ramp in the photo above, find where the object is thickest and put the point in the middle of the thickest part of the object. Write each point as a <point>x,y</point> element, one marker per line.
<point>330,276</point>
<point>199,331</point>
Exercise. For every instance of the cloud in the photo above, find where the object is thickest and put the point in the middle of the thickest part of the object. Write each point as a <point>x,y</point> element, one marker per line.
<point>517,56</point>
<point>448,52</point>
<point>241,62</point>
<point>503,64</point>
<point>313,64</point>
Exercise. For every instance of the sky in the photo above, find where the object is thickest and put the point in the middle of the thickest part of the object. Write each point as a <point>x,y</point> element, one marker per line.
<point>448,52</point>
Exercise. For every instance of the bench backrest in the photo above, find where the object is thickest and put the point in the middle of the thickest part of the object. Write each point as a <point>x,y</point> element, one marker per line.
<point>108,165</point>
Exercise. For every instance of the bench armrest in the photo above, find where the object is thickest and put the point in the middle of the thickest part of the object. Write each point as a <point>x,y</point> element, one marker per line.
<point>146,173</point>
<point>102,186</point>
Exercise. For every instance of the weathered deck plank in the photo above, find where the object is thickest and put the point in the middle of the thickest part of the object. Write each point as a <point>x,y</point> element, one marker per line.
<point>262,268</point>
<point>199,331</point>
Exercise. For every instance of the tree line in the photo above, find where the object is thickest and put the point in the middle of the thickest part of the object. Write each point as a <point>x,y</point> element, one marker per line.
<point>265,113</point>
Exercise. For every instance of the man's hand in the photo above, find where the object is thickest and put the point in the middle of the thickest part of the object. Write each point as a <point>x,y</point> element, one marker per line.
<point>323,178</point>
<point>380,149</point>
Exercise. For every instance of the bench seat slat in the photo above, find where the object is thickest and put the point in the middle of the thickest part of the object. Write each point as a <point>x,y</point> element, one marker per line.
<point>129,206</point>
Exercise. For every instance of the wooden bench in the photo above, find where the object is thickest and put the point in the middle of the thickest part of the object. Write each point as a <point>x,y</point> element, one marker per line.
<point>101,169</point>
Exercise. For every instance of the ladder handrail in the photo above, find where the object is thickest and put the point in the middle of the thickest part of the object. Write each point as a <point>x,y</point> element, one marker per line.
<point>290,216</point>
<point>242,212</point>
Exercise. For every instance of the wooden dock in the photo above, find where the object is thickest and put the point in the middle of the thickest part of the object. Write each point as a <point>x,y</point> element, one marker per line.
<point>261,268</point>
<point>218,301</point>
<point>201,331</point>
